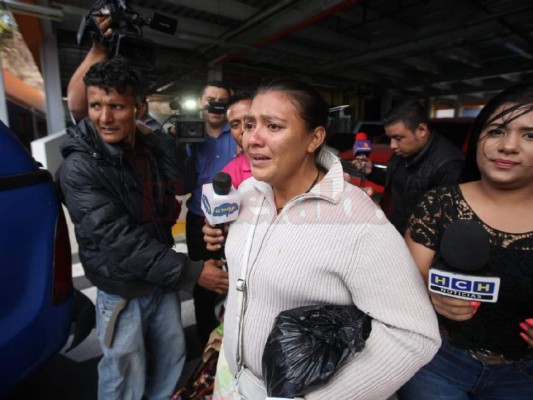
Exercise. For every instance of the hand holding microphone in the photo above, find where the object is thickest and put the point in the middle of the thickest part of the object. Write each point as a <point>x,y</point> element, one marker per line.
<point>362,146</point>
<point>220,204</point>
<point>214,237</point>
<point>361,151</point>
<point>453,308</point>
<point>459,278</point>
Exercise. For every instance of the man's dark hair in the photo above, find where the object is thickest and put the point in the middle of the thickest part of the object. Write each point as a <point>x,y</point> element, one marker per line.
<point>410,112</point>
<point>115,73</point>
<point>218,84</point>
<point>240,96</point>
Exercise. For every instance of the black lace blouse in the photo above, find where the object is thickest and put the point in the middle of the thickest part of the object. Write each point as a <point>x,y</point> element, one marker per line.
<point>495,326</point>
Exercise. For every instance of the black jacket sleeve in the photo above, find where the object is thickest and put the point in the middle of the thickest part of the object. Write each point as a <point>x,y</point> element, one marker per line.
<point>112,244</point>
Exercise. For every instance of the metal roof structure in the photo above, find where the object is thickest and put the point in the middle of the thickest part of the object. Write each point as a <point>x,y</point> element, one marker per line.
<point>456,49</point>
<point>453,50</point>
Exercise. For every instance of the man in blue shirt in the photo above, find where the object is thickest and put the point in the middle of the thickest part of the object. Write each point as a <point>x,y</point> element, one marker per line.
<point>208,158</point>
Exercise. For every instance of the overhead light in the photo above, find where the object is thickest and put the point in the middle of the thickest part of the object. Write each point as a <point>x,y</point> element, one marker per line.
<point>339,108</point>
<point>164,87</point>
<point>33,10</point>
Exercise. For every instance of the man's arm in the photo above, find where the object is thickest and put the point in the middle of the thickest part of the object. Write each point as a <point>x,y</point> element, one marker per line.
<point>376,175</point>
<point>76,96</point>
<point>208,274</point>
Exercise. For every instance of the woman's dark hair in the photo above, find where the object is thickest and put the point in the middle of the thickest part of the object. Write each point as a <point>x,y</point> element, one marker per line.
<point>519,98</point>
<point>311,107</point>
<point>115,73</point>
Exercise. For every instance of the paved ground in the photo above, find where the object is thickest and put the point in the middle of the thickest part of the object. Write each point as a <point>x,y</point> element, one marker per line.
<point>65,378</point>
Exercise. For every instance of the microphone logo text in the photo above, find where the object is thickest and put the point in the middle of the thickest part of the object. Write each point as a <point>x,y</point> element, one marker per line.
<point>480,288</point>
<point>225,209</point>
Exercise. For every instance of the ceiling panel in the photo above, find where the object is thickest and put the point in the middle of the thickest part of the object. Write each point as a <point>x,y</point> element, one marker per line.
<point>460,49</point>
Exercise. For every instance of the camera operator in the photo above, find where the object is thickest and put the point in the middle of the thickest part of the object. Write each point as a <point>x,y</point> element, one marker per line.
<point>205,160</point>
<point>211,275</point>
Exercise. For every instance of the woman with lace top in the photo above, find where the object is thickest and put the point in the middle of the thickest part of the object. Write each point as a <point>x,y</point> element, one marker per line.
<point>487,348</point>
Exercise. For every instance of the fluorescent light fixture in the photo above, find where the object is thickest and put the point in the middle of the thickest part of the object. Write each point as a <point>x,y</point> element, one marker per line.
<point>33,10</point>
<point>339,108</point>
<point>164,87</point>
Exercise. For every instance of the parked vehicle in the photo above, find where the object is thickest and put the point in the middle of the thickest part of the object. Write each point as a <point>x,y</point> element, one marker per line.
<point>37,299</point>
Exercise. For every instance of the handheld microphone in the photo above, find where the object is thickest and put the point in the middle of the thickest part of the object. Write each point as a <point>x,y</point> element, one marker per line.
<point>460,270</point>
<point>220,201</point>
<point>362,146</point>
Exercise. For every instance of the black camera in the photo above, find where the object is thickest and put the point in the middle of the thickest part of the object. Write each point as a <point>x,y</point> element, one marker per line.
<point>191,129</point>
<point>127,40</point>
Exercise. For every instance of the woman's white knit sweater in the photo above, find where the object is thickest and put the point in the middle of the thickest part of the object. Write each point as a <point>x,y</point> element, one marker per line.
<point>331,245</point>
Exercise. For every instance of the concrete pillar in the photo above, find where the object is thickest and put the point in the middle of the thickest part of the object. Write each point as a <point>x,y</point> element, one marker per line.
<point>55,114</point>
<point>3,103</point>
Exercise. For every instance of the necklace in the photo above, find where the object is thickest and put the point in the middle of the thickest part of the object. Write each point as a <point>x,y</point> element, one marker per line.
<point>315,181</point>
<point>278,210</point>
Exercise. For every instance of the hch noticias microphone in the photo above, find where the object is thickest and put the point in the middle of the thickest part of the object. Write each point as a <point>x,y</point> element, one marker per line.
<point>362,145</point>
<point>461,268</point>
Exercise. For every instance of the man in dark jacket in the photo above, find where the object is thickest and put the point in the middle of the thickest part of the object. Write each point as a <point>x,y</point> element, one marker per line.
<point>119,186</point>
<point>206,159</point>
<point>422,160</point>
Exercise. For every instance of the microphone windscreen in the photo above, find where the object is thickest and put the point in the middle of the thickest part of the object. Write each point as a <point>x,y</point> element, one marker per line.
<point>362,145</point>
<point>222,183</point>
<point>465,246</point>
<point>360,136</point>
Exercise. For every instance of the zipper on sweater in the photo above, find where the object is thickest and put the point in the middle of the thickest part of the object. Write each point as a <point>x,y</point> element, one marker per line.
<point>242,289</point>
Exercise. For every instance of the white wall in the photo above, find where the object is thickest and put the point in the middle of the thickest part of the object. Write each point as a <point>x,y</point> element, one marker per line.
<point>46,151</point>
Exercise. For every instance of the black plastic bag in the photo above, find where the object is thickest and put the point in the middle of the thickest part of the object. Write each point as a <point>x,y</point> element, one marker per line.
<point>308,344</point>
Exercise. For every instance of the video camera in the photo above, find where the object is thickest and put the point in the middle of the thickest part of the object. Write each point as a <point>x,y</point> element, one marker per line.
<point>190,128</point>
<point>127,40</point>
